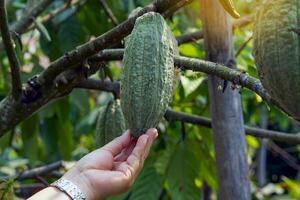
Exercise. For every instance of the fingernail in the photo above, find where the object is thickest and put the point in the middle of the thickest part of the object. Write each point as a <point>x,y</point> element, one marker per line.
<point>156,133</point>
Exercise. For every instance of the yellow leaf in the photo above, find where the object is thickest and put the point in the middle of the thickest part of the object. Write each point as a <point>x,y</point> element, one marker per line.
<point>229,7</point>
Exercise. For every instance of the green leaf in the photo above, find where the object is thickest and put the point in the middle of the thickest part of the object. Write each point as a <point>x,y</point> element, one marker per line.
<point>51,48</point>
<point>69,34</point>
<point>62,109</point>
<point>50,135</point>
<point>120,197</point>
<point>7,189</point>
<point>66,140</point>
<point>80,99</point>
<point>190,85</point>
<point>64,16</point>
<point>149,183</point>
<point>182,172</point>
<point>29,135</point>
<point>43,30</point>
<point>162,162</point>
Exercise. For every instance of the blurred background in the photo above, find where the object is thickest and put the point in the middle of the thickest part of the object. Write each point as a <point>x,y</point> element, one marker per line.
<point>181,165</point>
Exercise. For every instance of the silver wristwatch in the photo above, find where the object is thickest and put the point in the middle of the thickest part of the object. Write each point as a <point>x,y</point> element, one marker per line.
<point>69,188</point>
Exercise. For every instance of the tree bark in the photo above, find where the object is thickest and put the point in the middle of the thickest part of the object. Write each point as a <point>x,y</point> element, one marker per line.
<point>226,110</point>
<point>261,172</point>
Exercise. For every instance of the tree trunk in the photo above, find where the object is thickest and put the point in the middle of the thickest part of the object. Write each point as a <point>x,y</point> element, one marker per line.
<point>261,172</point>
<point>226,110</point>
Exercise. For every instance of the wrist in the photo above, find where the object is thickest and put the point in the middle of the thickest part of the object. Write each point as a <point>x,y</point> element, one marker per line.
<point>69,188</point>
<point>78,178</point>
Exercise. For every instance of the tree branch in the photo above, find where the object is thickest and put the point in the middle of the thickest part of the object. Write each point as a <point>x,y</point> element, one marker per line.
<point>26,191</point>
<point>108,86</point>
<point>235,76</point>
<point>11,53</point>
<point>21,26</point>
<point>171,115</point>
<point>32,173</point>
<point>108,39</point>
<point>291,138</point>
<point>243,46</point>
<point>44,88</point>
<point>58,11</point>
<point>176,7</point>
<point>197,35</point>
<point>26,21</point>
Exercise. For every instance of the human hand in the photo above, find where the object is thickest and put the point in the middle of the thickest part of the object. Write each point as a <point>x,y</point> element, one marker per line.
<point>113,168</point>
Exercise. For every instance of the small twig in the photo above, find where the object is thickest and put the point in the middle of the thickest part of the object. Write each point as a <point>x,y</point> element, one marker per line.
<point>243,46</point>
<point>108,12</point>
<point>176,7</point>
<point>190,37</point>
<point>243,21</point>
<point>26,191</point>
<point>33,173</point>
<point>197,35</point>
<point>296,30</point>
<point>108,86</point>
<point>11,137</point>
<point>76,10</point>
<point>290,160</point>
<point>58,11</point>
<point>291,138</point>
<point>11,53</point>
<point>42,180</point>
<point>26,21</point>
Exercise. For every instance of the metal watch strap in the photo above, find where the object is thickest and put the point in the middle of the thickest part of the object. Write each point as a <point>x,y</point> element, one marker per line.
<point>69,188</point>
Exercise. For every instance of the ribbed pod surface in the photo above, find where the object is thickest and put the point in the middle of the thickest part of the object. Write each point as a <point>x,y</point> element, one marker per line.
<point>110,123</point>
<point>277,52</point>
<point>148,75</point>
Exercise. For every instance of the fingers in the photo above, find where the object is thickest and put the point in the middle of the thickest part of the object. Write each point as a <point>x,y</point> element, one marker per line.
<point>136,159</point>
<point>152,133</point>
<point>118,144</point>
<point>126,152</point>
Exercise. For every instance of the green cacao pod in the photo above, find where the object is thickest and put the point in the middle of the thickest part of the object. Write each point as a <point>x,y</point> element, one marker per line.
<point>148,74</point>
<point>110,123</point>
<point>277,52</point>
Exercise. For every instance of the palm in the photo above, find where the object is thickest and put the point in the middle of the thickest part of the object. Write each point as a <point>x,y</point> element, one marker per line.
<point>114,167</point>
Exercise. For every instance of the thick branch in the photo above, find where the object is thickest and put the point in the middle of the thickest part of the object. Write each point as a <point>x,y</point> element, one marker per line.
<point>197,35</point>
<point>108,39</point>
<point>11,53</point>
<point>13,112</point>
<point>45,89</point>
<point>235,76</point>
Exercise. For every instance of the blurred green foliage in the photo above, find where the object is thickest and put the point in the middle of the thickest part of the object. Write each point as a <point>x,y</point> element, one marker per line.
<point>182,160</point>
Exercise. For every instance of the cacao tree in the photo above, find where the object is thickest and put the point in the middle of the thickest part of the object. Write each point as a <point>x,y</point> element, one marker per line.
<point>226,118</point>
